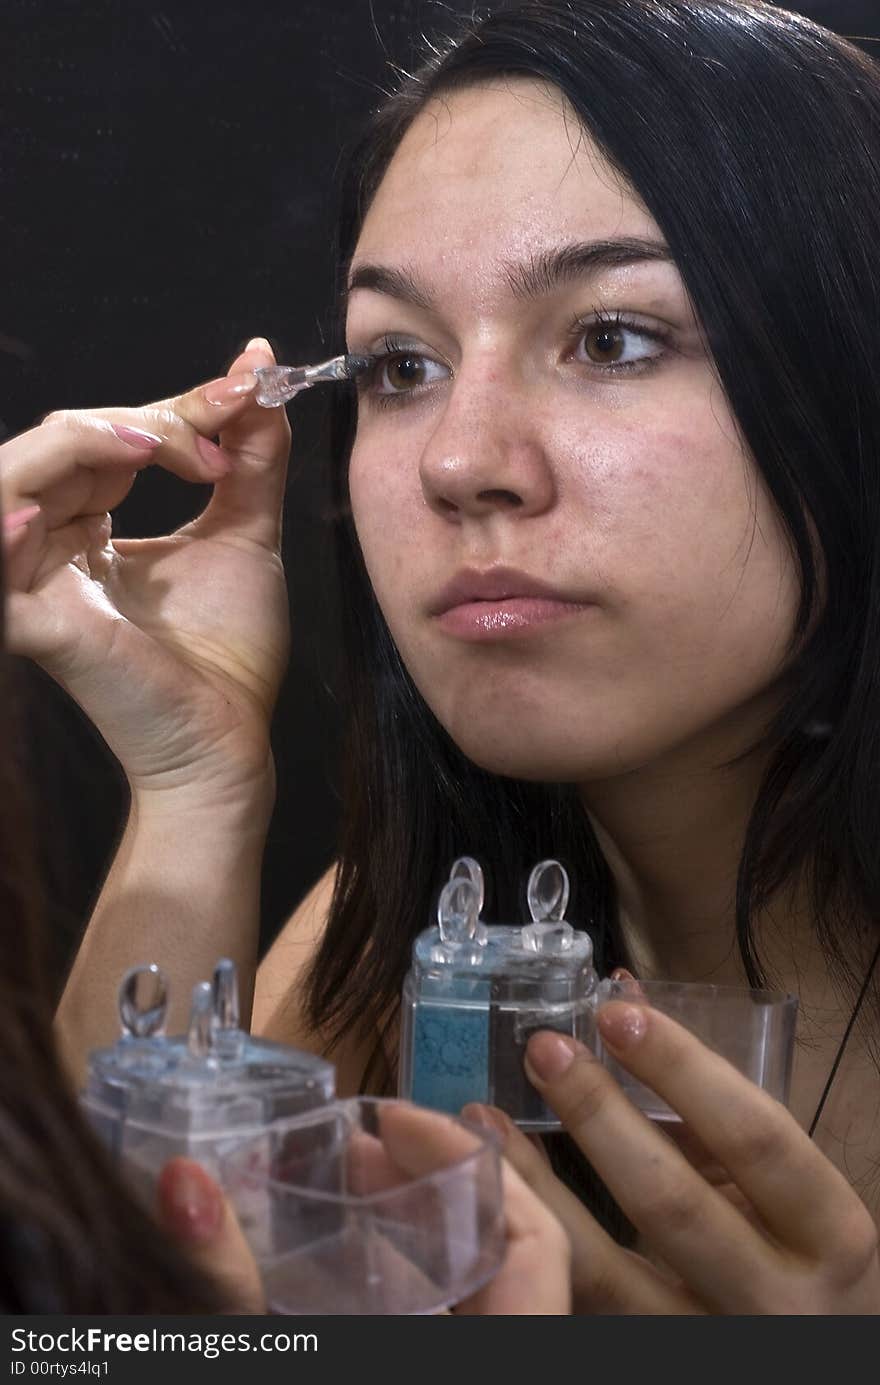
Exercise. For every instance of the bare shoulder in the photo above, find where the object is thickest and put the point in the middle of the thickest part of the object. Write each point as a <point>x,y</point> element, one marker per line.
<point>279,1011</point>
<point>282,970</point>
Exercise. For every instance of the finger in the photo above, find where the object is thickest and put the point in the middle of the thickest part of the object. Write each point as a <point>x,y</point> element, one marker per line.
<point>36,552</point>
<point>684,1220</point>
<point>85,463</point>
<point>76,463</point>
<point>369,1168</point>
<point>527,1152</point>
<point>264,431</point>
<point>534,1277</point>
<point>696,1153</point>
<point>184,426</point>
<point>690,1145</point>
<point>18,520</point>
<point>182,449</point>
<point>605,1277</point>
<point>540,1148</point>
<point>409,1149</point>
<point>249,501</point>
<point>798,1193</point>
<point>421,1142</point>
<point>18,536</point>
<point>193,1209</point>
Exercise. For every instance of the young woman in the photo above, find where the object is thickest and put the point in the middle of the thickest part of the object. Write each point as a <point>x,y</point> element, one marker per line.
<point>609,549</point>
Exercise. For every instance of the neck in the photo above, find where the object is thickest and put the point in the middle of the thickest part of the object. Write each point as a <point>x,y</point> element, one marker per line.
<point>672,833</point>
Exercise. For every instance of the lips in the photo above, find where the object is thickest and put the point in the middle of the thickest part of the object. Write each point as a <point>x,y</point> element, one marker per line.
<point>494,586</point>
<point>502,604</point>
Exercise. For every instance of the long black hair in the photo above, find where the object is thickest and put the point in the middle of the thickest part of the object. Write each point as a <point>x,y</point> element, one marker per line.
<point>751,135</point>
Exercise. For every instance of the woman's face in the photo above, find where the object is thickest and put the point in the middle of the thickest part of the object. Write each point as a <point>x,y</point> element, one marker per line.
<point>574,554</point>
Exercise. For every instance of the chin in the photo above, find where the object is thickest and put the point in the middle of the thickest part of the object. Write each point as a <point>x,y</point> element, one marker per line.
<point>531,734</point>
<point>532,756</point>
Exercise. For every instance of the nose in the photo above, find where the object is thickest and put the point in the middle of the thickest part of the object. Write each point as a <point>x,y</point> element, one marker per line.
<point>485,454</point>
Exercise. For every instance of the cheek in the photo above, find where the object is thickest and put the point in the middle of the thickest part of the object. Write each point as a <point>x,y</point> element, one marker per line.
<point>661,497</point>
<point>711,578</point>
<point>385,501</point>
<point>667,514</point>
<point>642,475</point>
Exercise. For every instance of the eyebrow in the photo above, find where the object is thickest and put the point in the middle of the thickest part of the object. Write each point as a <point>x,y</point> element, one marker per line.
<point>538,275</point>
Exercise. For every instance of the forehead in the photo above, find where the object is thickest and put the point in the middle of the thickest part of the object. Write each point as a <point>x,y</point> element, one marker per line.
<point>492,174</point>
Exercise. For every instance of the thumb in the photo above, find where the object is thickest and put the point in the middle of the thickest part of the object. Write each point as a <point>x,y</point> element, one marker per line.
<point>249,501</point>
<point>197,1215</point>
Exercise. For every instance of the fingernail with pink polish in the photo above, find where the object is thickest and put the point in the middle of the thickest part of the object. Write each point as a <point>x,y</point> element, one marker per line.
<point>189,1202</point>
<point>622,1026</point>
<point>136,437</point>
<point>214,456</point>
<point>229,388</point>
<point>549,1055</point>
<point>18,519</point>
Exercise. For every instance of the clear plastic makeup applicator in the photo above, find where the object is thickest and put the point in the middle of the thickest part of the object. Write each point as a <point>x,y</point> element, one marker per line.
<point>278,383</point>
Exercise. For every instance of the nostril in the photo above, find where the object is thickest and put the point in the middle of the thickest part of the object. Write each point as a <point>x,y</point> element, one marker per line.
<point>501,497</point>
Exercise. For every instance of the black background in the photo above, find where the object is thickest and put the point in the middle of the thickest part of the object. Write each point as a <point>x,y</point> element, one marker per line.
<point>168,178</point>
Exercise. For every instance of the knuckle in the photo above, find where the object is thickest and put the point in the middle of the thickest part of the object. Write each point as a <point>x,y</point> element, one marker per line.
<point>580,1106</point>
<point>669,1203</point>
<point>755,1143</point>
<point>75,419</point>
<point>56,417</point>
<point>163,416</point>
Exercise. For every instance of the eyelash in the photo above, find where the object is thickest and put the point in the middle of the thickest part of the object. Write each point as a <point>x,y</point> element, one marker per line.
<point>599,317</point>
<point>393,347</point>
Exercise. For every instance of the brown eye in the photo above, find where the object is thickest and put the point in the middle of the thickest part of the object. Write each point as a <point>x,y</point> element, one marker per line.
<point>605,344</point>
<point>404,372</point>
<point>397,375</point>
<point>615,346</point>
